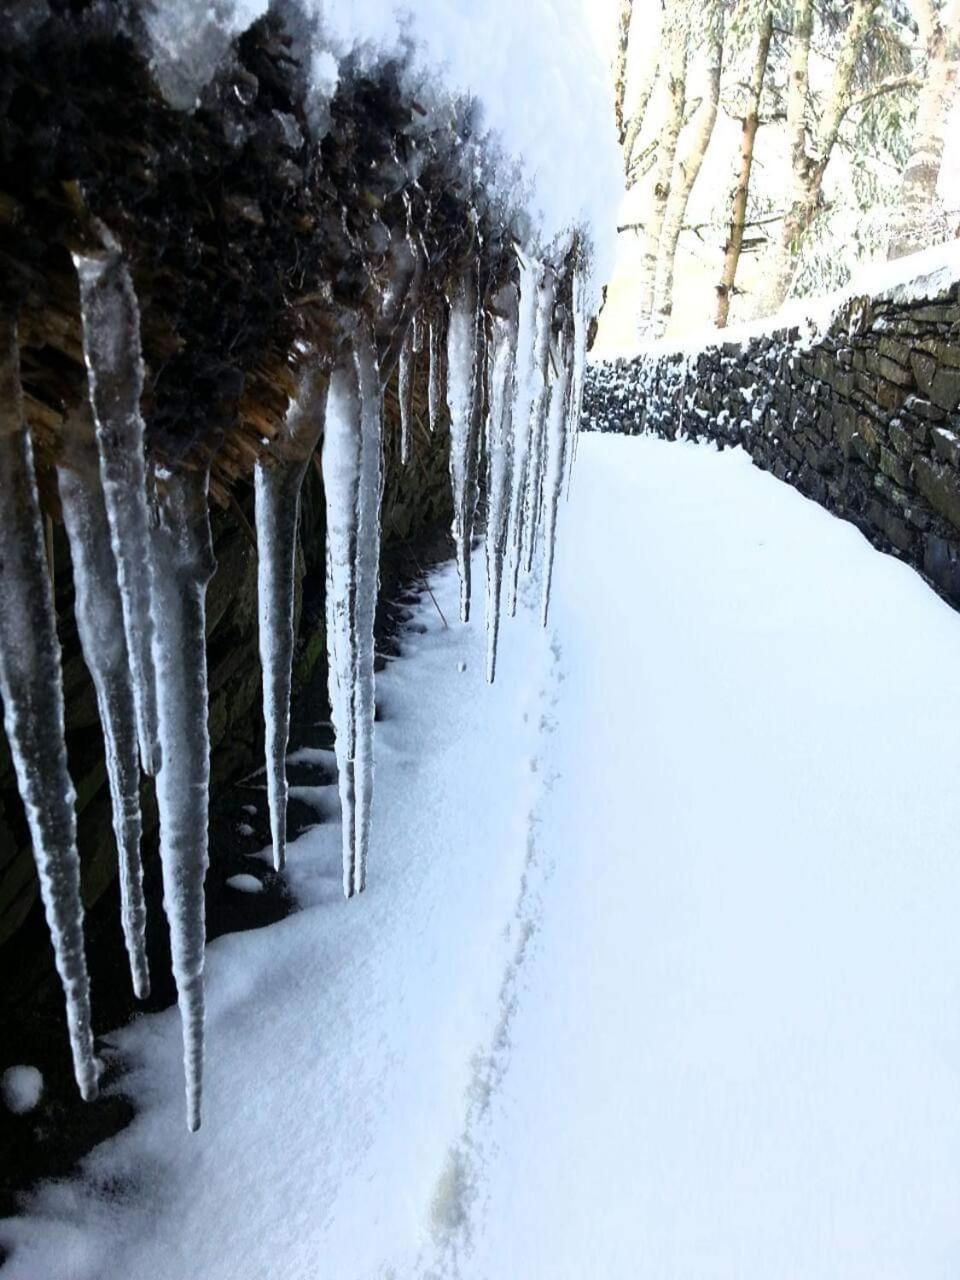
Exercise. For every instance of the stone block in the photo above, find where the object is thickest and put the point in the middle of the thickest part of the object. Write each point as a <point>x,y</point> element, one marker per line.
<point>893,466</point>
<point>924,368</point>
<point>945,388</point>
<point>940,486</point>
<point>946,445</point>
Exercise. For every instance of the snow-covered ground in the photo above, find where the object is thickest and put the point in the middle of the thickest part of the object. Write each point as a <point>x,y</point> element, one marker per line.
<point>658,971</point>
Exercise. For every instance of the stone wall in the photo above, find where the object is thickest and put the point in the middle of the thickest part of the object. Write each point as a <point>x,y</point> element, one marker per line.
<point>415,498</point>
<point>861,414</point>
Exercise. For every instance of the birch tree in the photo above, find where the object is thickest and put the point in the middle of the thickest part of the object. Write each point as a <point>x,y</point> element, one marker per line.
<point>750,124</point>
<point>919,220</point>
<point>624,16</point>
<point>687,167</point>
<point>676,28</point>
<point>811,141</point>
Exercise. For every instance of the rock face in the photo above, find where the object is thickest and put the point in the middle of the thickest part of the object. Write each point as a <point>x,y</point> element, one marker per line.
<point>863,418</point>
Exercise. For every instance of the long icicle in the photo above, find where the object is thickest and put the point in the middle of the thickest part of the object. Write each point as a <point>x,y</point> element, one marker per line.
<point>558,421</point>
<point>368,585</point>
<point>526,368</point>
<point>532,499</point>
<point>111,344</point>
<point>341,479</point>
<point>405,392</point>
<point>462,365</point>
<point>579,359</point>
<point>277,485</point>
<point>183,564</point>
<point>99,616</point>
<point>499,450</point>
<point>31,685</point>
<point>434,380</point>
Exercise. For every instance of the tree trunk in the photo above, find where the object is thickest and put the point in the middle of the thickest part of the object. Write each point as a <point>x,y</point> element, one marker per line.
<point>635,125</point>
<point>620,65</point>
<point>676,25</point>
<point>807,169</point>
<point>738,208</point>
<point>917,221</point>
<point>687,170</point>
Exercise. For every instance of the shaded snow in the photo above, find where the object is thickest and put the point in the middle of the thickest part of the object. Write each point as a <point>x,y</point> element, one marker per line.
<point>21,1088</point>
<point>659,972</point>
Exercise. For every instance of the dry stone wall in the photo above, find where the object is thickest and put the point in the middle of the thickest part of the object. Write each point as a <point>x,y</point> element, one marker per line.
<point>862,417</point>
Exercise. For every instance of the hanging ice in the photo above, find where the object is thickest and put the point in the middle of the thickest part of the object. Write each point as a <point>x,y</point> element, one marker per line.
<point>99,615</point>
<point>578,359</point>
<point>30,682</point>
<point>555,444</point>
<point>183,564</point>
<point>433,384</point>
<point>462,380</point>
<point>277,482</point>
<point>526,372</point>
<point>352,478</point>
<point>111,345</point>
<point>502,356</point>
<point>546,293</point>
<point>368,586</point>
<point>341,478</point>
<point>405,393</point>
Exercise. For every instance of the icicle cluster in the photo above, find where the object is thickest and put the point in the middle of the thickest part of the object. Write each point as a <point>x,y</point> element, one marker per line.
<point>519,361</point>
<point>504,350</point>
<point>141,558</point>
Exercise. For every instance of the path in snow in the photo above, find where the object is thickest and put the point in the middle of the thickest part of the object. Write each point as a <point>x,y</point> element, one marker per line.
<point>657,970</point>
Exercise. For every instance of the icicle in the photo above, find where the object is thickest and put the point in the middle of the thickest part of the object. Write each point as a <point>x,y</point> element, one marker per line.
<point>405,392</point>
<point>500,398</point>
<point>579,361</point>
<point>555,443</point>
<point>99,616</point>
<point>462,369</point>
<point>30,682</point>
<point>277,485</point>
<point>353,478</point>
<point>526,369</point>
<point>368,586</point>
<point>433,385</point>
<point>341,478</point>
<point>111,344</point>
<point>183,563</point>
<point>541,398</point>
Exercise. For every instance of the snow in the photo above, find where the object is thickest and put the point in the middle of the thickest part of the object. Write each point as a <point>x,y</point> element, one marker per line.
<point>917,277</point>
<point>658,973</point>
<point>21,1088</point>
<point>557,159</point>
<point>245,883</point>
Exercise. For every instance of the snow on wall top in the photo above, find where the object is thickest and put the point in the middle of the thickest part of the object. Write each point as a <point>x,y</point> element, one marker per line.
<point>918,277</point>
<point>544,96</point>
